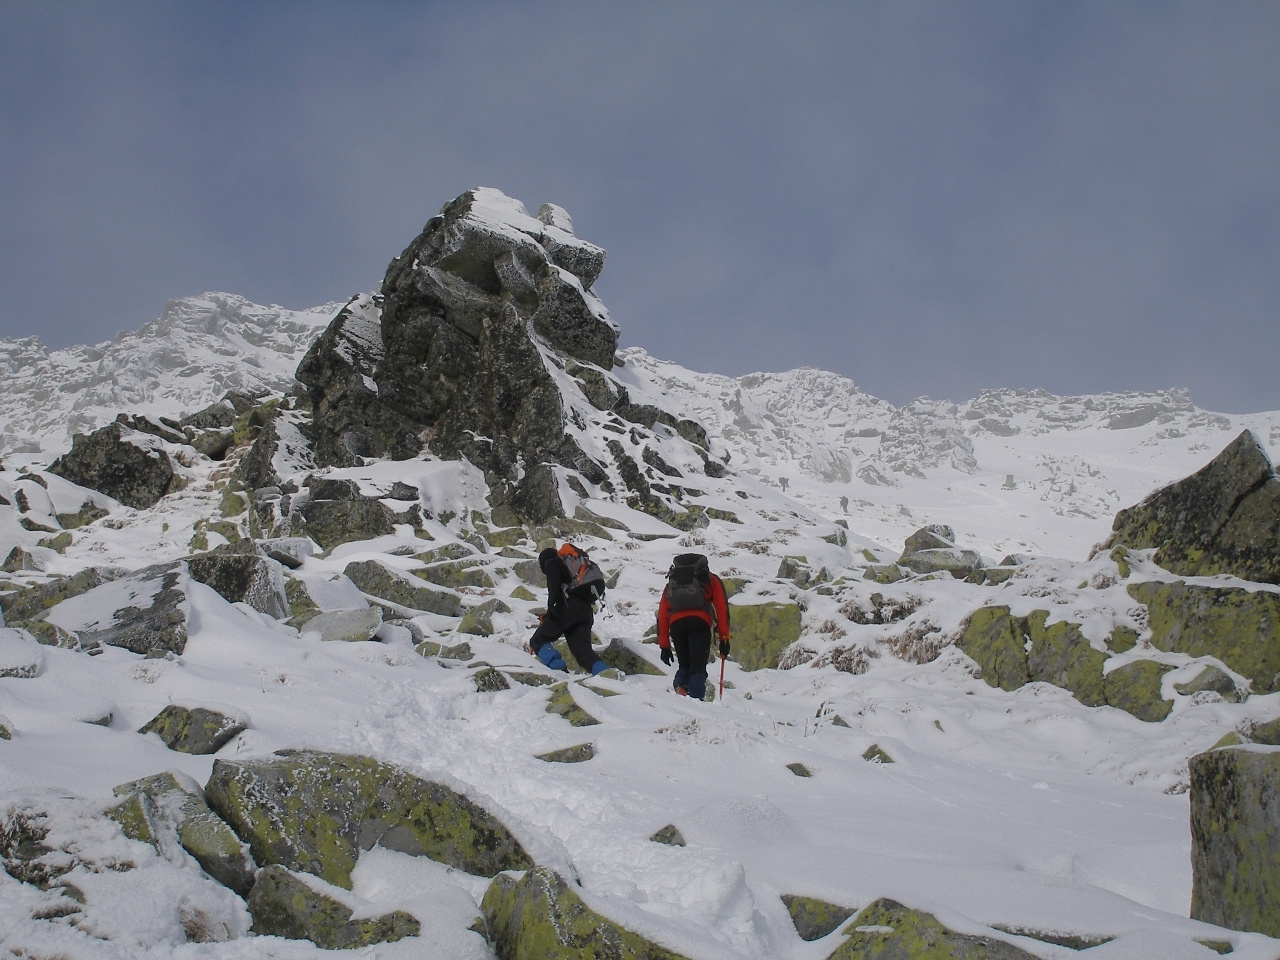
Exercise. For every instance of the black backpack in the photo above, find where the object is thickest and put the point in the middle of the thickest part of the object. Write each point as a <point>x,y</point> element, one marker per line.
<point>687,582</point>
<point>586,579</point>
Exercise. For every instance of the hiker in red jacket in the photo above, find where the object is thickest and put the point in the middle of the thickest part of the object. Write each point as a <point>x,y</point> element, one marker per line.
<point>693,602</point>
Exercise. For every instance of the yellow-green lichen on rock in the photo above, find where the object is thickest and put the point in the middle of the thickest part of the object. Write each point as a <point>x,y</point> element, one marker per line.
<point>456,573</point>
<point>194,730</point>
<point>1235,843</point>
<point>540,917</point>
<point>1061,655</point>
<point>1239,627</point>
<point>1225,518</point>
<point>1135,689</point>
<point>384,583</point>
<point>887,930</point>
<point>994,638</point>
<point>315,812</point>
<point>563,704</point>
<point>159,810</point>
<point>478,621</point>
<point>814,918</point>
<point>762,632</point>
<point>283,905</point>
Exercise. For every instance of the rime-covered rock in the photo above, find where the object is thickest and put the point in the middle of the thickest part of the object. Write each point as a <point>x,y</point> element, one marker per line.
<point>127,465</point>
<point>240,574</point>
<point>351,626</point>
<point>144,612</point>
<point>1225,518</point>
<point>315,812</point>
<point>443,355</point>
<point>195,730</point>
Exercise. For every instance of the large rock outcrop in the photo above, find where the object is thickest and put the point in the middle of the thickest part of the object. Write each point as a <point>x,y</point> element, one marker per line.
<point>315,812</point>
<point>125,464</point>
<point>1235,838</point>
<point>1013,651</point>
<point>454,353</point>
<point>1239,627</point>
<point>1225,518</point>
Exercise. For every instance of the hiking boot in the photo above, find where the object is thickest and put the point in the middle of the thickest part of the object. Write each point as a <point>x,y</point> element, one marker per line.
<point>681,692</point>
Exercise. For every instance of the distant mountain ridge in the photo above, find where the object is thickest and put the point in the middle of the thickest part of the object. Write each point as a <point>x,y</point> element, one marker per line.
<point>196,351</point>
<point>1072,461</point>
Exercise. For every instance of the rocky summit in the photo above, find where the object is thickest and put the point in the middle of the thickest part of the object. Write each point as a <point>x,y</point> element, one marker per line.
<point>460,351</point>
<point>1003,677</point>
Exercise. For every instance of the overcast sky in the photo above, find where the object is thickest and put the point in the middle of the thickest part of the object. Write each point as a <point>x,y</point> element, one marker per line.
<point>930,198</point>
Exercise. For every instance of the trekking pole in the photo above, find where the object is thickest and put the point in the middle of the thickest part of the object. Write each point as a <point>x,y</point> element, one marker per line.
<point>721,695</point>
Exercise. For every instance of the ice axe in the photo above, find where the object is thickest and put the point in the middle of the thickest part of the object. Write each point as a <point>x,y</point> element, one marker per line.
<point>720,694</point>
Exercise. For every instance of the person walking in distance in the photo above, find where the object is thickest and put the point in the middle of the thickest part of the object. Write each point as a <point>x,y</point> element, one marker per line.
<point>693,603</point>
<point>574,583</point>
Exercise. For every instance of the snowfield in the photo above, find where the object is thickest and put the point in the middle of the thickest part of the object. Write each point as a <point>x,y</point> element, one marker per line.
<point>1000,812</point>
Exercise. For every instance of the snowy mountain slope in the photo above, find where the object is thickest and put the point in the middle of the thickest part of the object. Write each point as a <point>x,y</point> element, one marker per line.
<point>1019,811</point>
<point>200,348</point>
<point>1011,471</point>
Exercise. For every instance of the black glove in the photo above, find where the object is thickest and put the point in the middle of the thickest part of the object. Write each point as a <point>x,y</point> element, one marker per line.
<point>724,648</point>
<point>666,656</point>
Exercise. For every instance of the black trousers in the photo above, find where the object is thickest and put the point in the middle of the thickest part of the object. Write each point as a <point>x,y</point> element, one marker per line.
<point>691,640</point>
<point>574,624</point>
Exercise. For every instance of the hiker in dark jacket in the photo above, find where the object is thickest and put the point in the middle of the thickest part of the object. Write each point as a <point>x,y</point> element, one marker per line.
<point>569,614</point>
<point>687,627</point>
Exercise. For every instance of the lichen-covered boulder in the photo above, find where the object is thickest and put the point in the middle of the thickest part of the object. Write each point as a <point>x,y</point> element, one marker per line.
<point>194,730</point>
<point>124,464</point>
<point>993,637</point>
<point>455,573</point>
<point>283,905</point>
<point>814,918</point>
<point>1225,518</point>
<point>456,651</point>
<point>935,536</point>
<point>1210,679</point>
<point>241,575</point>
<point>331,523</point>
<point>1135,688</point>
<point>887,930</point>
<point>575,754</point>
<point>1060,655</point>
<point>315,812</point>
<point>933,549</point>
<point>1013,651</point>
<point>540,917</point>
<point>478,621</point>
<point>385,583</point>
<point>620,656</point>
<point>1239,627</point>
<point>669,835</point>
<point>1235,838</point>
<point>762,632</point>
<point>563,704</point>
<point>161,811</point>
